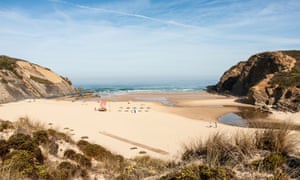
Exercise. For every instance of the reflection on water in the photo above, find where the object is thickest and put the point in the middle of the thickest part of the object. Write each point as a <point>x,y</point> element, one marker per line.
<point>233,119</point>
<point>246,117</point>
<point>251,113</point>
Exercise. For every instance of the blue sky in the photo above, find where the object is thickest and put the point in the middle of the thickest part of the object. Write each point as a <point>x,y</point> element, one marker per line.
<point>140,40</point>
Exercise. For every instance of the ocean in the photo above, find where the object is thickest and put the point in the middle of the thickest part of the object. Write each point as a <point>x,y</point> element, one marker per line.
<point>111,89</point>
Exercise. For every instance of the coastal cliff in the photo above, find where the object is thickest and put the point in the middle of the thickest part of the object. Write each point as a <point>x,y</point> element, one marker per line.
<point>269,79</point>
<point>20,79</point>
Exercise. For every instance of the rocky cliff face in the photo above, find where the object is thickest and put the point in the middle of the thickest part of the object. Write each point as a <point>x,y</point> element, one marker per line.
<point>20,79</point>
<point>270,79</point>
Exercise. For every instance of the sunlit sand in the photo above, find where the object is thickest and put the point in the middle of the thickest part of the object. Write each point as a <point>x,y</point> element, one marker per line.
<point>130,128</point>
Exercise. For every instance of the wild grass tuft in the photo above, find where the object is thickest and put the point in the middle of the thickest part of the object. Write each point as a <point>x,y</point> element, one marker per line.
<point>26,126</point>
<point>277,140</point>
<point>218,150</point>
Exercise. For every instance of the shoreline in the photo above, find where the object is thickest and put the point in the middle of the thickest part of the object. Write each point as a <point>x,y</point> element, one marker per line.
<point>156,129</point>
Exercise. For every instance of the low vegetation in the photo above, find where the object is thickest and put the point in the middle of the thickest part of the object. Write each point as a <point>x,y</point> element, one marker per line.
<point>196,172</point>
<point>67,80</point>
<point>274,149</point>
<point>78,158</point>
<point>40,80</point>
<point>4,81</point>
<point>7,63</point>
<point>289,79</point>
<point>33,152</point>
<point>4,125</point>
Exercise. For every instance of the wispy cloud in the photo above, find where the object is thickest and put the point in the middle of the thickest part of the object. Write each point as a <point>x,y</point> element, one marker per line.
<point>110,11</point>
<point>202,37</point>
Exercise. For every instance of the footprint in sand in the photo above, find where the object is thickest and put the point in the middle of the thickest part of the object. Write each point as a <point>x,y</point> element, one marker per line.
<point>142,152</point>
<point>133,148</point>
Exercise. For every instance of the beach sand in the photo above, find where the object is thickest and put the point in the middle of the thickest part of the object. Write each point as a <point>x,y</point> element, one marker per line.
<point>159,130</point>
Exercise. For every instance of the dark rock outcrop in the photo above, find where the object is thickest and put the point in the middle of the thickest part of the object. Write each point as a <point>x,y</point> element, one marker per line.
<point>20,79</point>
<point>270,79</point>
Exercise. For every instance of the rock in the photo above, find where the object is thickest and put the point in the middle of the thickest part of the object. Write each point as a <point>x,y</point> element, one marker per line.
<point>20,79</point>
<point>270,79</point>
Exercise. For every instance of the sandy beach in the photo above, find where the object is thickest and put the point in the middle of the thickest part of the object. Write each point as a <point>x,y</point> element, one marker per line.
<point>155,129</point>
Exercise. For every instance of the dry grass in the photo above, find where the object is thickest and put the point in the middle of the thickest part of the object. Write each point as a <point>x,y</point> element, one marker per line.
<point>220,150</point>
<point>280,140</point>
<point>26,126</point>
<point>275,146</point>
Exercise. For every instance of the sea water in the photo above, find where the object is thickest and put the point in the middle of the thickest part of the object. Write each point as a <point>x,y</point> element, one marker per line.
<point>121,88</point>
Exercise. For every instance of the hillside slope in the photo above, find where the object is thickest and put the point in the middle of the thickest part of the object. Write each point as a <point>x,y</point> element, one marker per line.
<point>269,79</point>
<point>20,79</point>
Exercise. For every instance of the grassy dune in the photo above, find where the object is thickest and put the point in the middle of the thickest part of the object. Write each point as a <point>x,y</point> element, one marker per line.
<point>29,150</point>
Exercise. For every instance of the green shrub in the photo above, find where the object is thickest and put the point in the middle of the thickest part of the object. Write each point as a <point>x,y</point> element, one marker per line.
<point>94,150</point>
<point>255,165</point>
<point>115,163</point>
<point>194,172</point>
<point>24,142</point>
<point>82,160</point>
<point>4,81</point>
<point>20,161</point>
<point>279,175</point>
<point>60,135</point>
<point>206,172</point>
<point>273,161</point>
<point>79,158</point>
<point>6,125</point>
<point>7,63</point>
<point>17,140</point>
<point>66,170</point>
<point>288,79</point>
<point>43,173</point>
<point>150,163</point>
<point>4,148</point>
<point>69,153</point>
<point>40,137</point>
<point>269,163</point>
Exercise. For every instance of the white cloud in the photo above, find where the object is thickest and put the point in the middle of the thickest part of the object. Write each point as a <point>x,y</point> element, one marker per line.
<point>85,42</point>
